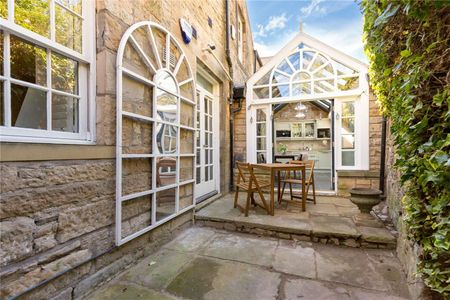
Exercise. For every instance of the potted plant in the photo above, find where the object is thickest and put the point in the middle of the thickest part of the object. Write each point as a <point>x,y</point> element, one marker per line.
<point>282,148</point>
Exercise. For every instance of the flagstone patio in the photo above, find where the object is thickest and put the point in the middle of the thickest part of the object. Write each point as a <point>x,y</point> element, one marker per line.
<point>206,263</point>
<point>329,222</point>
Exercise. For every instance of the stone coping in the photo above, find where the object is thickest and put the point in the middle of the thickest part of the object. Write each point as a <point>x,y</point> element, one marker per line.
<point>329,222</point>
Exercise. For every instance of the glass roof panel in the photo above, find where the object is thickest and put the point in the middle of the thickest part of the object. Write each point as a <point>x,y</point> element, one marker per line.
<point>306,59</point>
<point>345,84</point>
<point>324,72</point>
<point>343,70</point>
<point>264,79</point>
<point>284,66</point>
<point>319,61</point>
<point>301,88</point>
<point>295,60</point>
<point>321,86</point>
<point>301,76</point>
<point>261,93</point>
<point>278,78</point>
<point>281,90</point>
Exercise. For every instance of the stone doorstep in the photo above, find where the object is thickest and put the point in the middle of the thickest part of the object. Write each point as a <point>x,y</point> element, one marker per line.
<point>365,238</point>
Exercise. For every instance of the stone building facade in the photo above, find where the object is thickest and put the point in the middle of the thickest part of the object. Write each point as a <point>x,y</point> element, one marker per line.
<point>58,200</point>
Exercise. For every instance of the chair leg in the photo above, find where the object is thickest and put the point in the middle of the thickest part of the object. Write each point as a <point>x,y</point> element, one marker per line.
<point>314,190</point>
<point>247,204</point>
<point>236,195</point>
<point>282,192</point>
<point>290,190</point>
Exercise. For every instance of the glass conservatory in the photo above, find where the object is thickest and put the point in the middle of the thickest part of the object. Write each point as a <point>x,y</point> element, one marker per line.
<point>310,101</point>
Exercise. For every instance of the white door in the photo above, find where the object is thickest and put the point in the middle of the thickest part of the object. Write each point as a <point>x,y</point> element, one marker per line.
<point>259,140</point>
<point>205,144</point>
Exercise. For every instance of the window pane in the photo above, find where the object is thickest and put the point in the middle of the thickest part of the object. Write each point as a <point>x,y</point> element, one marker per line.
<point>68,28</point>
<point>278,77</point>
<point>33,15</point>
<point>74,5</point>
<point>322,86</point>
<point>166,81</point>
<point>260,115</point>
<point>345,84</point>
<point>261,129</point>
<point>261,93</point>
<point>307,57</point>
<point>64,74</point>
<point>280,91</point>
<point>295,60</point>
<point>348,125</point>
<point>2,112</point>
<point>309,130</point>
<point>348,109</point>
<point>28,62</point>
<point>28,107</point>
<point>3,9</point>
<point>301,76</point>
<point>260,143</point>
<point>1,47</point>
<point>165,203</point>
<point>348,141</point>
<point>348,158</point>
<point>166,106</point>
<point>166,171</point>
<point>166,138</point>
<point>301,88</point>
<point>261,157</point>
<point>64,113</point>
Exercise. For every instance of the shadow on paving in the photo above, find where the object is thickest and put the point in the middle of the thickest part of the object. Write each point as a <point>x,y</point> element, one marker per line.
<point>203,263</point>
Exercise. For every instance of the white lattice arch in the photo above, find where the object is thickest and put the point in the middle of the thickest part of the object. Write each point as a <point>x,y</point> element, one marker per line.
<point>155,91</point>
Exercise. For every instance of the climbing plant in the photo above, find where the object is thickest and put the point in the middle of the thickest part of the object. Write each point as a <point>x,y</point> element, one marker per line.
<point>408,46</point>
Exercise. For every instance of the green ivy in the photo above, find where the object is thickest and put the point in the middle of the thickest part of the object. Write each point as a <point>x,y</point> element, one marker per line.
<point>408,46</point>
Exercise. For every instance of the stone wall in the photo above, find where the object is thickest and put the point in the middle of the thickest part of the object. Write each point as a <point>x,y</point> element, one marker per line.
<point>408,252</point>
<point>57,216</point>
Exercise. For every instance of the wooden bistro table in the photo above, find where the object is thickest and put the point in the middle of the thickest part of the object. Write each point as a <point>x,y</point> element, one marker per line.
<point>277,168</point>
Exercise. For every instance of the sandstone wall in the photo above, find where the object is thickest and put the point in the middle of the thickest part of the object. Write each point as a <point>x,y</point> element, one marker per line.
<point>57,211</point>
<point>407,252</point>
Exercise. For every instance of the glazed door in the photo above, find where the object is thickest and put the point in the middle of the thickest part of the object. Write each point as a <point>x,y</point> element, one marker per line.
<point>205,146</point>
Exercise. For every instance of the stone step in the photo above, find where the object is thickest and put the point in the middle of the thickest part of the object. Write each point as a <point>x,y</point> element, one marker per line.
<point>307,226</point>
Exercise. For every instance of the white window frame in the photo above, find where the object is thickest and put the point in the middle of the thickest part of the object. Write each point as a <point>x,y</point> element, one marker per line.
<point>86,79</point>
<point>162,66</point>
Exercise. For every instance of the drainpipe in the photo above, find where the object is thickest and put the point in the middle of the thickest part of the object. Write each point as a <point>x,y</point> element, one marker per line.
<point>230,99</point>
<point>383,155</point>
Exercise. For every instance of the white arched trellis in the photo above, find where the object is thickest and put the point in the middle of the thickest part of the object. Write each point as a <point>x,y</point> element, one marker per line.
<point>155,106</point>
<point>308,70</point>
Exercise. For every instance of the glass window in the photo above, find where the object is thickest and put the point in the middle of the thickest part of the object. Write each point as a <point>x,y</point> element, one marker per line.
<point>43,83</point>
<point>348,134</point>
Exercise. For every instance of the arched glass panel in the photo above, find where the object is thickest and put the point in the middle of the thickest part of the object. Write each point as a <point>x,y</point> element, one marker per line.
<point>155,108</point>
<point>306,72</point>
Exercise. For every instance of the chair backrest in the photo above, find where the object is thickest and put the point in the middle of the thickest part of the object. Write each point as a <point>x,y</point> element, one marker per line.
<point>309,166</point>
<point>243,171</point>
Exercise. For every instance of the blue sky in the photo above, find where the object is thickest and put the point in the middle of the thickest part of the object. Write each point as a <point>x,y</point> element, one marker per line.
<point>337,23</point>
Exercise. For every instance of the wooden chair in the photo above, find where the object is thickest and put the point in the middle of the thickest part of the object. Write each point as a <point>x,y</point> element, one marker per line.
<point>292,179</point>
<point>247,181</point>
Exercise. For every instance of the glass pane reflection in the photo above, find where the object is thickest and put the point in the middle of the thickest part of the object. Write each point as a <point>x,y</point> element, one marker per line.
<point>28,107</point>
<point>166,106</point>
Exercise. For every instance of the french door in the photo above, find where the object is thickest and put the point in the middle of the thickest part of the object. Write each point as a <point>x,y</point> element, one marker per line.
<point>205,145</point>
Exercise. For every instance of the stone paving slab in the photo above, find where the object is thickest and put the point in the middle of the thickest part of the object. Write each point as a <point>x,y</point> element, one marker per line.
<point>216,280</point>
<point>126,291</point>
<point>251,249</point>
<point>156,271</point>
<point>232,266</point>
<point>334,226</point>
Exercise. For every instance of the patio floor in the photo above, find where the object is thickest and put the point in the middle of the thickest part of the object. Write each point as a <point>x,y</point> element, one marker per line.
<point>206,263</point>
<point>329,221</point>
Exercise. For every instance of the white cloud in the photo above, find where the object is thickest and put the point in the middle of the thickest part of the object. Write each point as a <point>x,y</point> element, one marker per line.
<point>270,48</point>
<point>346,38</point>
<point>275,23</point>
<point>313,7</point>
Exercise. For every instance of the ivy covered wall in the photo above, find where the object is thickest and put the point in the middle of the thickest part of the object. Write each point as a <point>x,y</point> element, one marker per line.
<point>408,46</point>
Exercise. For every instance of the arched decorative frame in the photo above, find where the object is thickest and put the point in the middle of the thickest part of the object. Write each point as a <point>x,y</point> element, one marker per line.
<point>155,108</point>
<point>286,78</point>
